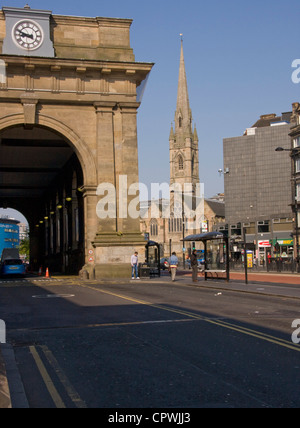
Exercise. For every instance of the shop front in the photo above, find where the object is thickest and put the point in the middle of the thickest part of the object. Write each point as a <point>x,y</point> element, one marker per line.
<point>283,248</point>
<point>264,252</point>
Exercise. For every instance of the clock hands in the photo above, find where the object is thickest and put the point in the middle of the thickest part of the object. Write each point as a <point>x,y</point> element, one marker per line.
<point>29,36</point>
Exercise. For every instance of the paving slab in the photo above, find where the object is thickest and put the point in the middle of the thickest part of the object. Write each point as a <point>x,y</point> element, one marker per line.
<point>5,400</point>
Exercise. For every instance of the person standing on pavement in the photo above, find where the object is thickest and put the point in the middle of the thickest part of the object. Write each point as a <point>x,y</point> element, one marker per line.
<point>173,263</point>
<point>134,266</point>
<point>194,264</point>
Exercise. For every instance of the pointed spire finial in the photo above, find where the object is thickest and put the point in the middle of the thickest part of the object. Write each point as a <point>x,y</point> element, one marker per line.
<point>181,36</point>
<point>196,139</point>
<point>183,111</point>
<point>171,136</point>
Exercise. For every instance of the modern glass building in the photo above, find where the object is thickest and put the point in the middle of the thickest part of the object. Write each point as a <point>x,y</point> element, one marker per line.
<point>9,234</point>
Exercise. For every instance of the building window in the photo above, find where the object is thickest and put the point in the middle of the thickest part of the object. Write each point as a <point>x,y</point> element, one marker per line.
<point>297,165</point>
<point>180,163</point>
<point>298,192</point>
<point>263,226</point>
<point>175,225</point>
<point>296,142</point>
<point>153,228</point>
<point>180,122</point>
<point>236,229</point>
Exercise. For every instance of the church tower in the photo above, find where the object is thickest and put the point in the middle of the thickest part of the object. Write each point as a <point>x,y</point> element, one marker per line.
<point>184,153</point>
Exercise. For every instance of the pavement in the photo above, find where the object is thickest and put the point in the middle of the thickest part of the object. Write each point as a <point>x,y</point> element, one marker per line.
<point>5,399</point>
<point>273,277</point>
<point>12,394</point>
<point>275,284</point>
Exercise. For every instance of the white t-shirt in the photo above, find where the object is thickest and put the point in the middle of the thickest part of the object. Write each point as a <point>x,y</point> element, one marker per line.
<point>134,260</point>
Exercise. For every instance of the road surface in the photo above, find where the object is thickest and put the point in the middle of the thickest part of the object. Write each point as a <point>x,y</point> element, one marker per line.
<point>152,344</point>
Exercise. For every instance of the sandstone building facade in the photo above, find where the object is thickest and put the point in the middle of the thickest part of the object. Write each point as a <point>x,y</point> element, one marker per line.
<point>68,122</point>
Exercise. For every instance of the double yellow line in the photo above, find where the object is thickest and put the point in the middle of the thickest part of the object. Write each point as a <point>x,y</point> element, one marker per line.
<point>73,395</point>
<point>56,397</point>
<point>224,324</point>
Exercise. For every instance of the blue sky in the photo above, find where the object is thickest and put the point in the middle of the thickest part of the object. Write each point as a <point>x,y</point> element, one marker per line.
<point>238,58</point>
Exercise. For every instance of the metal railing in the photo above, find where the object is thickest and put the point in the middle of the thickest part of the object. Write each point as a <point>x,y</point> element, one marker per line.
<point>272,265</point>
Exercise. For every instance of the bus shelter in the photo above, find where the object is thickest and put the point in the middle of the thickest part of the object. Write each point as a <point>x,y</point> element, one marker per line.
<point>151,267</point>
<point>216,254</point>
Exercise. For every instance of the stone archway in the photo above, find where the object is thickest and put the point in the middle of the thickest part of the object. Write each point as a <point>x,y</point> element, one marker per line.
<point>80,147</point>
<point>37,166</point>
<point>84,90</point>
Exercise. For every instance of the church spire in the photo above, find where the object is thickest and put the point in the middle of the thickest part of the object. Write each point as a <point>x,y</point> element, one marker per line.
<point>184,154</point>
<point>183,116</point>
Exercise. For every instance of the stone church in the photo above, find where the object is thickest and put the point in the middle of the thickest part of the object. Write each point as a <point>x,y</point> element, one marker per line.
<point>189,213</point>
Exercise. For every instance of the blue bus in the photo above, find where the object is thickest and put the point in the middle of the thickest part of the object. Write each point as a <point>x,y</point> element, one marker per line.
<point>200,257</point>
<point>9,244</point>
<point>9,234</point>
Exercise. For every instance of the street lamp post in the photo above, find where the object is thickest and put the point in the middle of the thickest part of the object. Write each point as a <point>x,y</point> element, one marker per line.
<point>294,153</point>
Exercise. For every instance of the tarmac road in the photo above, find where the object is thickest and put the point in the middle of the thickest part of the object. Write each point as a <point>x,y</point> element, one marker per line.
<point>141,344</point>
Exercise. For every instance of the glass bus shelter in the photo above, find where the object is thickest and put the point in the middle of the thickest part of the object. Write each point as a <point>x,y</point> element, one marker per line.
<point>216,254</point>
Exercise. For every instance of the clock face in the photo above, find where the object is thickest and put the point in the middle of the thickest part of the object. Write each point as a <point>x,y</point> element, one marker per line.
<point>28,35</point>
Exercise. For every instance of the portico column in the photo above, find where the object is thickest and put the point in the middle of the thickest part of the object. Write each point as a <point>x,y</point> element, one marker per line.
<point>127,163</point>
<point>106,159</point>
<point>118,237</point>
<point>90,220</point>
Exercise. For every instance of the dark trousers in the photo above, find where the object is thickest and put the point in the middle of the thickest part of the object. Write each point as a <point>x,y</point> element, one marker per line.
<point>195,273</point>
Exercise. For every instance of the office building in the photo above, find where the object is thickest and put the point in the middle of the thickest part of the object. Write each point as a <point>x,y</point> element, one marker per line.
<point>258,193</point>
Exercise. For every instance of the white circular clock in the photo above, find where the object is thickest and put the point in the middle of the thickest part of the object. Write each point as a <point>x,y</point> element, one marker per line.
<point>28,35</point>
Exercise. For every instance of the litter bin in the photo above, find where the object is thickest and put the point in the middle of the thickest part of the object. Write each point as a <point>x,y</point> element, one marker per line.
<point>144,271</point>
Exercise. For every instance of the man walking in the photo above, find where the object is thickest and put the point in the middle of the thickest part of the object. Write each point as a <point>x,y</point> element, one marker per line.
<point>173,263</point>
<point>134,266</point>
<point>194,265</point>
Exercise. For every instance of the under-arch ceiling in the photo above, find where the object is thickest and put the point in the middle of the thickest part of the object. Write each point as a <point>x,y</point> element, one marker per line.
<point>30,159</point>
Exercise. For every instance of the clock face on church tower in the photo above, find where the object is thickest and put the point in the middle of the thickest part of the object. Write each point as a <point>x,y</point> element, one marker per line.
<point>28,35</point>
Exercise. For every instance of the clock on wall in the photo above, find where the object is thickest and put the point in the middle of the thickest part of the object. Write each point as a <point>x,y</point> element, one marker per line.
<point>28,34</point>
